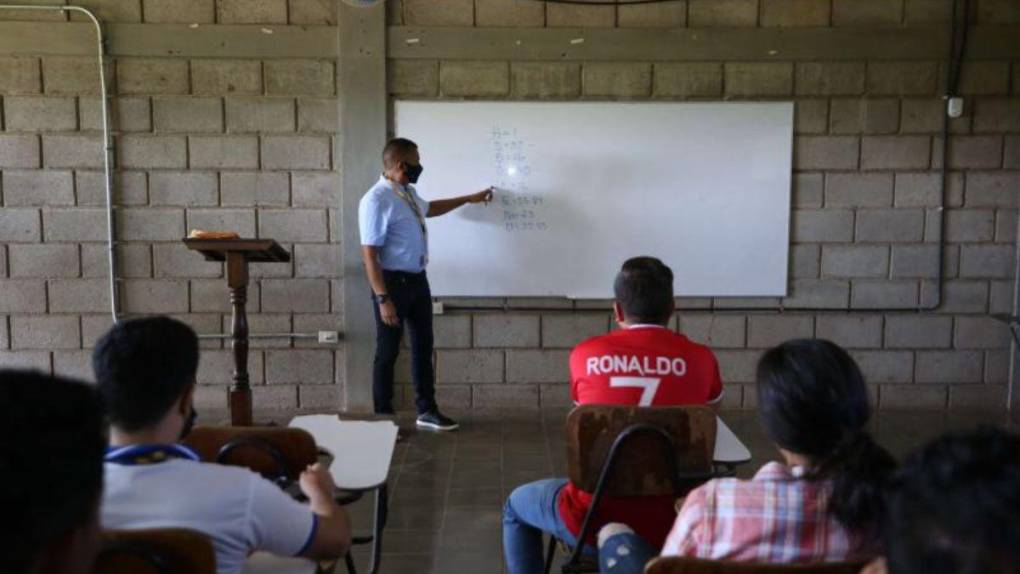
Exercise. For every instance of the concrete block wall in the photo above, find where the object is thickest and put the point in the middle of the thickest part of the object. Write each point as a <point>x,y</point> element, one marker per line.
<point>202,142</point>
<point>866,190</point>
<point>245,139</point>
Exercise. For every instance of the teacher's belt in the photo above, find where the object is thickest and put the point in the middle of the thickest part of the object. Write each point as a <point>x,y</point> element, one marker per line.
<point>403,276</point>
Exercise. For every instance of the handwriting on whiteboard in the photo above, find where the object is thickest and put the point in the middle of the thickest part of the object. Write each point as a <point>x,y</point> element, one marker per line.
<point>523,209</point>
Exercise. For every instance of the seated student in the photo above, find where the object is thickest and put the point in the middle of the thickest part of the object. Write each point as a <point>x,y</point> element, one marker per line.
<point>954,507</point>
<point>823,503</point>
<point>643,363</point>
<point>146,373</point>
<point>51,471</point>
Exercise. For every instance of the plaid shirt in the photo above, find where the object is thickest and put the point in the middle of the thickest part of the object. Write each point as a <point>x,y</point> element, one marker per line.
<point>775,517</point>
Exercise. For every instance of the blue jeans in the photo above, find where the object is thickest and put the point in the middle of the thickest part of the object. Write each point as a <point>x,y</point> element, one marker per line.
<point>530,511</point>
<point>625,553</point>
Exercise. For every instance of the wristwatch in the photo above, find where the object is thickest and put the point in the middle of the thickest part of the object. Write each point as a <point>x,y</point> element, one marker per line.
<point>382,298</point>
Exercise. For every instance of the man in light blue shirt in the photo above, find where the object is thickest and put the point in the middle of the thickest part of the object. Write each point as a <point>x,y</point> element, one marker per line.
<point>395,250</point>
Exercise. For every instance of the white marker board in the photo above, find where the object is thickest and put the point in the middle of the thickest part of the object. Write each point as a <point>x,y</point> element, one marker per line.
<point>582,186</point>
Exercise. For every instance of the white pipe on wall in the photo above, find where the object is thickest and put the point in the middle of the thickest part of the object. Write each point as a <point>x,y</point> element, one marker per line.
<point>108,171</point>
<point>104,103</point>
<point>1013,400</point>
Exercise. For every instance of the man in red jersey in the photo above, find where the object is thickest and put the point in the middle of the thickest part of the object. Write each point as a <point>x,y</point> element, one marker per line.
<point>643,363</point>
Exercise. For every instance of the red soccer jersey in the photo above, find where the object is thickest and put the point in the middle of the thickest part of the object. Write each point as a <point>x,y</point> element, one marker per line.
<point>645,365</point>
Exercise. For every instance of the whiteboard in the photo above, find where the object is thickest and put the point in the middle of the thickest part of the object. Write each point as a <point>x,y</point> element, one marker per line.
<point>582,186</point>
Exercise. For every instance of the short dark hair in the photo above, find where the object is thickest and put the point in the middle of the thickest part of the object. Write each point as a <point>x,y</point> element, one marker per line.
<point>644,289</point>
<point>51,462</point>
<point>812,401</point>
<point>143,366</point>
<point>953,507</point>
<point>397,150</point>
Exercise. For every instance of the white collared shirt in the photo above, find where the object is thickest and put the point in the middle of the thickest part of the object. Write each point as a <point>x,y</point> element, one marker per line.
<point>239,510</point>
<point>388,222</point>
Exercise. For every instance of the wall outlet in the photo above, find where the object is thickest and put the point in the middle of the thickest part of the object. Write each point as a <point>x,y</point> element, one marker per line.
<point>955,107</point>
<point>329,337</point>
<point>437,308</point>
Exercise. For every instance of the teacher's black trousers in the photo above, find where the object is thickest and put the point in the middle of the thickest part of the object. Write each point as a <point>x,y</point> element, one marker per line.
<point>411,296</point>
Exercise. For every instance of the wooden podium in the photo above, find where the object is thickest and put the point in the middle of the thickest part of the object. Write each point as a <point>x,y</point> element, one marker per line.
<point>238,253</point>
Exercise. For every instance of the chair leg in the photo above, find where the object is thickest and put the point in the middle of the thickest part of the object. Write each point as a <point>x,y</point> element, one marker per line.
<point>381,514</point>
<point>550,554</point>
<point>349,560</point>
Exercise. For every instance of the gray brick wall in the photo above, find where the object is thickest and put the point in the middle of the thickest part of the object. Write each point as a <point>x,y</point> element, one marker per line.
<point>866,185</point>
<point>229,142</point>
<point>238,144</point>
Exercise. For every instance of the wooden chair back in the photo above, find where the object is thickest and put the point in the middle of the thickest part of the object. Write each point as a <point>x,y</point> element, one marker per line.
<point>674,565</point>
<point>641,469</point>
<point>273,452</point>
<point>157,551</point>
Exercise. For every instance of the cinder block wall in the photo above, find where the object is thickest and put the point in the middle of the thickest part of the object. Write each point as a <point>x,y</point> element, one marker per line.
<point>866,185</point>
<point>246,140</point>
<point>238,143</point>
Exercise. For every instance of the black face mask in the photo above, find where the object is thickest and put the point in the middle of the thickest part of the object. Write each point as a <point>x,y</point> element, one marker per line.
<point>413,172</point>
<point>189,423</point>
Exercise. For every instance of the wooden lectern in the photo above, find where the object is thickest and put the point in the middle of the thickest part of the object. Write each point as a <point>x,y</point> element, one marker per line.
<point>238,253</point>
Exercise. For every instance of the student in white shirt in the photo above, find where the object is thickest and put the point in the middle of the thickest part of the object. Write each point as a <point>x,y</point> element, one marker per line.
<point>146,373</point>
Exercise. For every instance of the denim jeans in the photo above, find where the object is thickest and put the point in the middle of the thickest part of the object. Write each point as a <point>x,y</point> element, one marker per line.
<point>625,553</point>
<point>529,512</point>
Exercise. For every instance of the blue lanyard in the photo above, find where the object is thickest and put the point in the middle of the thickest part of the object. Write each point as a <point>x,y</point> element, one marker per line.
<point>139,454</point>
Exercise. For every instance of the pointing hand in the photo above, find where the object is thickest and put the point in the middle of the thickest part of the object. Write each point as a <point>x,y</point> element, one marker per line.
<point>484,196</point>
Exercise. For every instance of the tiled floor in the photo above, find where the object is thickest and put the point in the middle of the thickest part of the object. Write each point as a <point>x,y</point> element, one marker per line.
<point>447,490</point>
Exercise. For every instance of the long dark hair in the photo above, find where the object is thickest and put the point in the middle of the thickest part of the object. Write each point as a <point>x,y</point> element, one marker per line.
<point>813,401</point>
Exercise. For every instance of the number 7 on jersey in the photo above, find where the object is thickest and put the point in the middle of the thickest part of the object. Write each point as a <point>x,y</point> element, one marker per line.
<point>648,386</point>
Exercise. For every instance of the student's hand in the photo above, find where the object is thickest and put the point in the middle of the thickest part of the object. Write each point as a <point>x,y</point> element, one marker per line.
<point>317,484</point>
<point>876,566</point>
<point>484,196</point>
<point>388,311</point>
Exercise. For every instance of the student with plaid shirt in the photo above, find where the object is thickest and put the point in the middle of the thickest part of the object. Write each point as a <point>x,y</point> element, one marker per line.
<point>822,504</point>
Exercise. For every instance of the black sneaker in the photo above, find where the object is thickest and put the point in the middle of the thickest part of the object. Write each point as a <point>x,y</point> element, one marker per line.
<point>436,420</point>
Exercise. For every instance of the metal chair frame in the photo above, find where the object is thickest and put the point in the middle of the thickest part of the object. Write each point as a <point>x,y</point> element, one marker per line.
<point>380,513</point>
<point>677,478</point>
<point>284,482</point>
<point>280,478</point>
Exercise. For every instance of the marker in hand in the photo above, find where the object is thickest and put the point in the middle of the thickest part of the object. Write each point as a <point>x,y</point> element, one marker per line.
<point>484,196</point>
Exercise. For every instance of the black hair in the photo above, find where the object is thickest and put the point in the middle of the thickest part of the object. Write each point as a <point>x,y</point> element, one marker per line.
<point>954,506</point>
<point>812,401</point>
<point>397,150</point>
<point>51,462</point>
<point>644,289</point>
<point>143,367</point>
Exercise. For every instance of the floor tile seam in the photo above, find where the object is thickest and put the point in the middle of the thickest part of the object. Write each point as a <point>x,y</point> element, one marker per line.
<point>449,482</point>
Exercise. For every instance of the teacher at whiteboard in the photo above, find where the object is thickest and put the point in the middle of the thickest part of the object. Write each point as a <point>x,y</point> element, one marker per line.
<point>395,250</point>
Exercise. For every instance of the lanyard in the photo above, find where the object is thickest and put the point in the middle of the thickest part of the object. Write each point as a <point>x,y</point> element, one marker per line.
<point>415,208</point>
<point>141,454</point>
<point>418,215</point>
